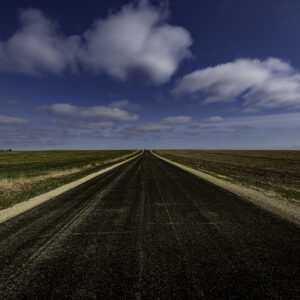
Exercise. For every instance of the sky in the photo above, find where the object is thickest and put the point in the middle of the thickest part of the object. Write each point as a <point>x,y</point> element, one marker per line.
<point>123,74</point>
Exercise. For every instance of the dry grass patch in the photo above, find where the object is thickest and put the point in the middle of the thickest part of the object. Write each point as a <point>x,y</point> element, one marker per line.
<point>27,174</point>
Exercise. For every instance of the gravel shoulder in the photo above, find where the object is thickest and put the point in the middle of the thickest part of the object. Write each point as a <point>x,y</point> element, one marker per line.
<point>286,209</point>
<point>11,212</point>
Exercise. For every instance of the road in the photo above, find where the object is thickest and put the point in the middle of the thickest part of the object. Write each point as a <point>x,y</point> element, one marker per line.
<point>148,230</point>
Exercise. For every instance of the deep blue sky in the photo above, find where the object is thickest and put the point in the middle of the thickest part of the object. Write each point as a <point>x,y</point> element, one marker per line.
<point>197,74</point>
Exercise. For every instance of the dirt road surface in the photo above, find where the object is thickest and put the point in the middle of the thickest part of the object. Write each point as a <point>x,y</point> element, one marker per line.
<point>148,230</point>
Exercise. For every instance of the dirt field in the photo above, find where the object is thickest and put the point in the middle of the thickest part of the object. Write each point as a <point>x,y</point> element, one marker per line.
<point>277,171</point>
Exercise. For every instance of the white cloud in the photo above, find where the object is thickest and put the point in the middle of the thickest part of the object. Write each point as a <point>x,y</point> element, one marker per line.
<point>4,120</point>
<point>214,119</point>
<point>276,122</point>
<point>165,124</point>
<point>148,127</point>
<point>96,113</point>
<point>120,104</point>
<point>125,104</point>
<point>81,125</point>
<point>283,121</point>
<point>137,41</point>
<point>38,47</point>
<point>32,137</point>
<point>260,84</point>
<point>97,125</point>
<point>176,120</point>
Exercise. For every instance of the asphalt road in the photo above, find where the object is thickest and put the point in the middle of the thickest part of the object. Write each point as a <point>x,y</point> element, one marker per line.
<point>148,230</point>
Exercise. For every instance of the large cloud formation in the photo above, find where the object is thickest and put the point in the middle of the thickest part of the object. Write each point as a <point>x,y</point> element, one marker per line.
<point>38,47</point>
<point>260,84</point>
<point>137,41</point>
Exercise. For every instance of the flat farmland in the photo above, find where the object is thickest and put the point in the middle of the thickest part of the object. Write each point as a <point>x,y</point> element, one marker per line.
<point>25,174</point>
<point>275,171</point>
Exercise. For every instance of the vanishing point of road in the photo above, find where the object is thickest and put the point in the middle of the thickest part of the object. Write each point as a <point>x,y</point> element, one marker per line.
<point>148,230</point>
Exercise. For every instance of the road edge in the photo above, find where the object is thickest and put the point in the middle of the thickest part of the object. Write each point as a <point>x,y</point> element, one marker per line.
<point>284,209</point>
<point>19,208</point>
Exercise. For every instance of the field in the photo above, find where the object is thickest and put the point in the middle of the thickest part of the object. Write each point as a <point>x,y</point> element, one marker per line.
<point>27,174</point>
<point>277,172</point>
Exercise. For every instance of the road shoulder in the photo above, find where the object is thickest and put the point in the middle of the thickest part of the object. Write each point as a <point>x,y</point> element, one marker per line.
<point>11,212</point>
<point>285,209</point>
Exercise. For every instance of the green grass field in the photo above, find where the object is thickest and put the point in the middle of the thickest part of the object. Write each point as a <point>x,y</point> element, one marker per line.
<point>274,171</point>
<point>29,173</point>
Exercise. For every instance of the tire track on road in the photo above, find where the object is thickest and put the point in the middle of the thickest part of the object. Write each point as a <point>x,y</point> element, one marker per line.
<point>77,217</point>
<point>197,286</point>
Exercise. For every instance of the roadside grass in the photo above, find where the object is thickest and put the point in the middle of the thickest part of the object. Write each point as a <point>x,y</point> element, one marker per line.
<point>27,174</point>
<point>278,190</point>
<point>276,172</point>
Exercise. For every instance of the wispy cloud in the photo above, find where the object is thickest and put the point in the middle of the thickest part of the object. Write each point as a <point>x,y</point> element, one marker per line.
<point>125,104</point>
<point>11,102</point>
<point>81,125</point>
<point>259,84</point>
<point>184,128</point>
<point>120,104</point>
<point>275,122</point>
<point>150,127</point>
<point>5,120</point>
<point>165,124</point>
<point>178,120</point>
<point>33,137</point>
<point>61,134</point>
<point>96,113</point>
<point>213,119</point>
<point>136,41</point>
